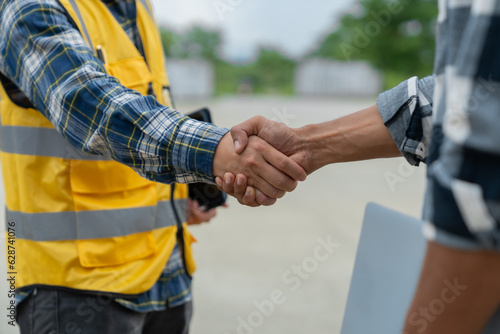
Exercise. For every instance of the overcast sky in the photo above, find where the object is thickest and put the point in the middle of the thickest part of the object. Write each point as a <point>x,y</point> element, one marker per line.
<point>293,25</point>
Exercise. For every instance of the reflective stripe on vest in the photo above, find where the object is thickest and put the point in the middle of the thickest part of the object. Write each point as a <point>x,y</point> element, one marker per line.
<point>80,18</point>
<point>45,142</point>
<point>80,217</point>
<point>57,226</point>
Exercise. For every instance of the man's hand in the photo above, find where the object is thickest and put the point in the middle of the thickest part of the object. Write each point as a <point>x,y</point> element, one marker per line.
<point>266,169</point>
<point>237,187</point>
<point>287,140</point>
<point>281,137</point>
<point>358,136</point>
<point>196,216</point>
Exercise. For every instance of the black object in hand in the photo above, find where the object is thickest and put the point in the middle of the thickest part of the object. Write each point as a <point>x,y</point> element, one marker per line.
<point>208,195</point>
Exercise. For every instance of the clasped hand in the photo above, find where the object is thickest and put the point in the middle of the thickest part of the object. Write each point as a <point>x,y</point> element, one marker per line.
<point>260,160</point>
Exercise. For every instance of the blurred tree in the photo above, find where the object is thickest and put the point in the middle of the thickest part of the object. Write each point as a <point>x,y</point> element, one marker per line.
<point>271,72</point>
<point>196,42</point>
<point>274,72</point>
<point>168,39</point>
<point>202,43</point>
<point>396,37</point>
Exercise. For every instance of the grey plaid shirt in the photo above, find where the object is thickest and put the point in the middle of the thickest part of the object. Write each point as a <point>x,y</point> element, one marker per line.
<point>451,121</point>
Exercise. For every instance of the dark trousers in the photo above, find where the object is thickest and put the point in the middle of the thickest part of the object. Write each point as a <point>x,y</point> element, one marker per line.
<point>52,311</point>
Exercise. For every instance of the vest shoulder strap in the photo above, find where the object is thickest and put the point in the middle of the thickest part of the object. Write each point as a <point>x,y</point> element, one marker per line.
<point>84,31</point>
<point>147,5</point>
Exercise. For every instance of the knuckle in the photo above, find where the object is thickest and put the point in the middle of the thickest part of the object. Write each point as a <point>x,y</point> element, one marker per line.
<point>248,202</point>
<point>286,184</point>
<point>282,163</point>
<point>275,193</point>
<point>280,126</point>
<point>252,161</point>
<point>258,146</point>
<point>227,189</point>
<point>235,130</point>
<point>262,200</point>
<point>241,193</point>
<point>266,201</point>
<point>280,183</point>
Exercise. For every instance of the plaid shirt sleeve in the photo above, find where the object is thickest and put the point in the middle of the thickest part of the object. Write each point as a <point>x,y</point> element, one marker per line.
<point>48,60</point>
<point>407,113</point>
<point>465,177</point>
<point>460,142</point>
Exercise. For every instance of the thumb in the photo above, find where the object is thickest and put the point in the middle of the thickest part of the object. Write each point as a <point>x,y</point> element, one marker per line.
<point>241,132</point>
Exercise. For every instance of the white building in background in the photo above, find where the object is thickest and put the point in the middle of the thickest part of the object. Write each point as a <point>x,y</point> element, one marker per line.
<point>321,77</point>
<point>190,79</point>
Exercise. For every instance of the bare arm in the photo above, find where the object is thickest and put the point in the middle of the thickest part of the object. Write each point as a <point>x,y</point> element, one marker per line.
<point>399,124</point>
<point>358,136</point>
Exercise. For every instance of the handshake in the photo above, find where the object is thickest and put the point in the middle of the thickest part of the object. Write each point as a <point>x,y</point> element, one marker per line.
<point>261,160</point>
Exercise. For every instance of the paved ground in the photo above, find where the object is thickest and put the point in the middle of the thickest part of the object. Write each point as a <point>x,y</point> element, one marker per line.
<point>247,257</point>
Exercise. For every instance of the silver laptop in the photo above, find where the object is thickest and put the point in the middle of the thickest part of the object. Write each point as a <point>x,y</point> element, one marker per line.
<point>388,262</point>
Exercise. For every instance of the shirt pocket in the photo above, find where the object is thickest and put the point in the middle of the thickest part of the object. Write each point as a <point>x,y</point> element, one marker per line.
<point>132,73</point>
<point>115,211</point>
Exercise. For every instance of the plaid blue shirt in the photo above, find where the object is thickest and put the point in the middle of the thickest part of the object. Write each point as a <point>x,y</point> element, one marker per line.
<point>49,61</point>
<point>451,121</point>
<point>171,290</point>
<point>46,57</point>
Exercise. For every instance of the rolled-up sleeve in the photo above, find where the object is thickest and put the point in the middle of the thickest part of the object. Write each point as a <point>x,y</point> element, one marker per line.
<point>407,113</point>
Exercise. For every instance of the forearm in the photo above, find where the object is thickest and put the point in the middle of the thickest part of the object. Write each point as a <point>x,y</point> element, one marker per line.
<point>46,57</point>
<point>358,136</point>
<point>402,126</point>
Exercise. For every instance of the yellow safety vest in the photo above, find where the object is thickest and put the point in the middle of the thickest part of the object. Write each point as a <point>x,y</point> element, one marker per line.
<point>82,221</point>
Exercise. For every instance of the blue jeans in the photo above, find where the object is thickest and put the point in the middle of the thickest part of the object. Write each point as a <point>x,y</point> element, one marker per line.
<point>53,311</point>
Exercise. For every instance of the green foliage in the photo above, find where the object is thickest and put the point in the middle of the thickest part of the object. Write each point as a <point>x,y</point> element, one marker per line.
<point>196,42</point>
<point>271,72</point>
<point>396,37</point>
<point>274,71</point>
<point>168,40</point>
